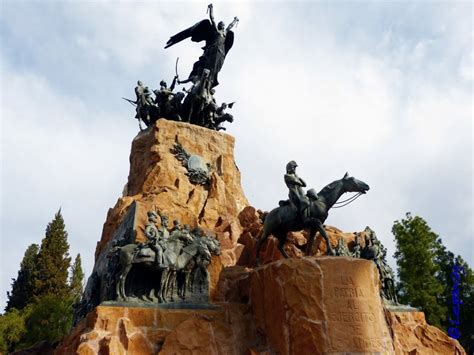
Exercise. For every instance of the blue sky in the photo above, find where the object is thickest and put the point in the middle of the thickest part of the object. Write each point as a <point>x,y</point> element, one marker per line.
<point>382,90</point>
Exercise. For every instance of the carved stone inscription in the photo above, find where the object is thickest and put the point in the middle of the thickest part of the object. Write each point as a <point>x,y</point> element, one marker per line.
<point>354,311</point>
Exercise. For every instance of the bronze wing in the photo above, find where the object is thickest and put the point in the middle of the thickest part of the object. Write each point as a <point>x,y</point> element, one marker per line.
<point>229,41</point>
<point>199,32</point>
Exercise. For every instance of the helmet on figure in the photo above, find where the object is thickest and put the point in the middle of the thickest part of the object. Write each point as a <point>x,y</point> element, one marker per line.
<point>291,166</point>
<point>152,215</point>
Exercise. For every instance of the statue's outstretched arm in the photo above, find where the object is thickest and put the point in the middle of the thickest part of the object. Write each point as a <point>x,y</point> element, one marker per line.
<point>211,15</point>
<point>173,84</point>
<point>232,24</point>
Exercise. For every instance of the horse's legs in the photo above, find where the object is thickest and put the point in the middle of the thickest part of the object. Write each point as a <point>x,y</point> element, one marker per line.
<point>123,278</point>
<point>187,275</point>
<point>170,284</point>
<point>117,286</point>
<point>206,278</point>
<point>281,245</point>
<point>161,294</point>
<point>191,278</point>
<point>309,244</point>
<point>259,245</point>
<point>321,230</point>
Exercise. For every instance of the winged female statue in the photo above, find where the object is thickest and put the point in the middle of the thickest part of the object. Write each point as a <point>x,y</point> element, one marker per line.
<point>219,41</point>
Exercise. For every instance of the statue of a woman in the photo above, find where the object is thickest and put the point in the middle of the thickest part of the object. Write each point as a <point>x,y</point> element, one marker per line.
<point>219,41</point>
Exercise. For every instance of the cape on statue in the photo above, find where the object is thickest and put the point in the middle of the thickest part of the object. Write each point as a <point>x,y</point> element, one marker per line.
<point>219,41</point>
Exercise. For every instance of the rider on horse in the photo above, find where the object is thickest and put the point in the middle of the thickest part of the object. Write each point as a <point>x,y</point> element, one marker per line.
<point>295,184</point>
<point>156,238</point>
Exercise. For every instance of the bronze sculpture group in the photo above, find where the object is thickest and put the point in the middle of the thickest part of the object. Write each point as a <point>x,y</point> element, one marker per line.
<point>305,211</point>
<point>180,256</point>
<point>196,105</point>
<point>373,250</point>
<point>176,259</point>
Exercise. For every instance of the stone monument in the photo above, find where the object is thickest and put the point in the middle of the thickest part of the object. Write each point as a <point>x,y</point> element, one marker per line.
<point>195,287</point>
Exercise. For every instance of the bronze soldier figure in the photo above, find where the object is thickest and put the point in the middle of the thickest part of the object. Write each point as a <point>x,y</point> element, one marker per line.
<point>295,185</point>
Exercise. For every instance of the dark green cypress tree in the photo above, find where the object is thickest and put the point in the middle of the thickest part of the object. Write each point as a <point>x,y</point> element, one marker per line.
<point>22,286</point>
<point>447,261</point>
<point>51,274</point>
<point>417,248</point>
<point>77,279</point>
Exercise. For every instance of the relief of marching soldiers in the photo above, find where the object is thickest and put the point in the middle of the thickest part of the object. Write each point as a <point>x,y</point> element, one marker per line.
<point>179,258</point>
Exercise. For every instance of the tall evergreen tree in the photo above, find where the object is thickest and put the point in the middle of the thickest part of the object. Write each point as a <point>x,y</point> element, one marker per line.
<point>22,286</point>
<point>465,289</point>
<point>52,268</point>
<point>77,279</point>
<point>417,247</point>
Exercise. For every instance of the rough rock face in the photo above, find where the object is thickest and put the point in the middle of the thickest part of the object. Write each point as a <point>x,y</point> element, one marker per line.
<point>310,305</point>
<point>227,329</point>
<point>157,180</point>
<point>412,335</point>
<point>320,305</point>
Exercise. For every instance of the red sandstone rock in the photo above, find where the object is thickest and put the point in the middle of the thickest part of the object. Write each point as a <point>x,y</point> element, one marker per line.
<point>120,330</point>
<point>412,335</point>
<point>320,305</point>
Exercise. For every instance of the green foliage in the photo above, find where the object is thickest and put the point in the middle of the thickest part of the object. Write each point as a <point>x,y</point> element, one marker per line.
<point>49,320</point>
<point>51,273</point>
<point>417,248</point>
<point>12,328</point>
<point>77,279</point>
<point>22,287</point>
<point>466,295</point>
<point>40,306</point>
<point>425,280</point>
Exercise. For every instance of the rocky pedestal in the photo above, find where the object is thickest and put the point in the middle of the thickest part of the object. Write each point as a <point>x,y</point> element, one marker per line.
<point>312,305</point>
<point>158,180</point>
<point>225,329</point>
<point>320,305</point>
<point>302,305</point>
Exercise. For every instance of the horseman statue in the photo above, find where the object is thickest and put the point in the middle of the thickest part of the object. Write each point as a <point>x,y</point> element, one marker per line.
<point>308,210</point>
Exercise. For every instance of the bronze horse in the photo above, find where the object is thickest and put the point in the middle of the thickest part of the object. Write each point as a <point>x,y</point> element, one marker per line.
<point>176,257</point>
<point>284,219</point>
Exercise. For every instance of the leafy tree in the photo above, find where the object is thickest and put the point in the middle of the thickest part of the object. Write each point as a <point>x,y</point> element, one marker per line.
<point>417,247</point>
<point>77,279</point>
<point>425,277</point>
<point>12,328</point>
<point>51,272</point>
<point>50,319</point>
<point>22,287</point>
<point>447,260</point>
